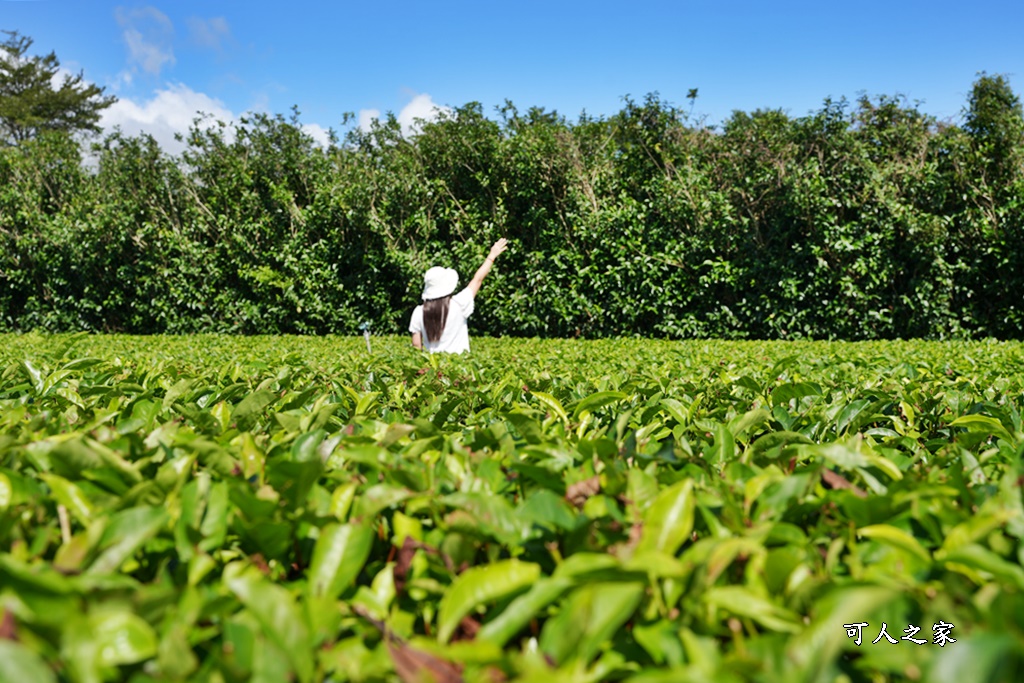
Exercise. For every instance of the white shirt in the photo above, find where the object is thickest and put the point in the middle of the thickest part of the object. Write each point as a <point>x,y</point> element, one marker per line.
<point>455,337</point>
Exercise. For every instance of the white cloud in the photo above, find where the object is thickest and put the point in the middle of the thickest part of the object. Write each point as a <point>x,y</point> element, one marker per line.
<point>121,80</point>
<point>171,110</point>
<point>209,33</point>
<point>367,117</point>
<point>318,133</point>
<point>147,34</point>
<point>59,76</point>
<point>421,107</point>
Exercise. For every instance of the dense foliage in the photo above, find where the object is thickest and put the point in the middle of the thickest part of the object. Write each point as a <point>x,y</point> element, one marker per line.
<point>868,220</point>
<point>271,508</point>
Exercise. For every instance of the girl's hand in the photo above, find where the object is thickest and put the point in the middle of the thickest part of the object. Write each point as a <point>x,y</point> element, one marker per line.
<point>497,248</point>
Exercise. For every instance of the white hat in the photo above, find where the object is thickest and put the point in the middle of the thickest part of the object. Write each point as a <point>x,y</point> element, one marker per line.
<point>439,282</point>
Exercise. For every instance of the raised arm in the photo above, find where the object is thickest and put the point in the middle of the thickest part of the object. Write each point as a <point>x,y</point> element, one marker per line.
<point>478,279</point>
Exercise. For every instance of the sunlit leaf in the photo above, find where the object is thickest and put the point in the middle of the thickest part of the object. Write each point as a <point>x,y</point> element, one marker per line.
<point>480,585</point>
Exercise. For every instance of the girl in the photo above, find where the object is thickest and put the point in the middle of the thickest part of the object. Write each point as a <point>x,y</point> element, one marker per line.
<point>440,323</point>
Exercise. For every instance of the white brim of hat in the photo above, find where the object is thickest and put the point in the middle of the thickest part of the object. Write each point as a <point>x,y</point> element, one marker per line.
<point>439,282</point>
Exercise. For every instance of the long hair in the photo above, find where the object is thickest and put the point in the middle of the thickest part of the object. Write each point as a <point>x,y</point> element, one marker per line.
<point>435,315</point>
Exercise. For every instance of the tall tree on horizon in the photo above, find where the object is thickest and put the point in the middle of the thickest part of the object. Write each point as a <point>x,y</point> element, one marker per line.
<point>34,99</point>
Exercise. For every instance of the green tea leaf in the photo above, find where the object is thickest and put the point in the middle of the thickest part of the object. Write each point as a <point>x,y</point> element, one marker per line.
<point>122,637</point>
<point>596,400</point>
<point>479,585</point>
<point>742,602</point>
<point>985,424</point>
<point>251,407</point>
<point>897,538</point>
<point>70,496</point>
<point>552,404</point>
<point>338,557</point>
<point>743,424</point>
<point>124,534</point>
<point>278,614</point>
<point>669,520</point>
<point>524,608</point>
<point>34,374</point>
<point>976,557</point>
<point>19,664</point>
<point>590,616</point>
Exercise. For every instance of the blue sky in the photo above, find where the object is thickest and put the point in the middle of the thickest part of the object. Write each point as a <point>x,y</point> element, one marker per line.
<point>164,60</point>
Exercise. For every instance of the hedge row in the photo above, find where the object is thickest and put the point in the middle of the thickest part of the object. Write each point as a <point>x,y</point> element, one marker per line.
<point>862,220</point>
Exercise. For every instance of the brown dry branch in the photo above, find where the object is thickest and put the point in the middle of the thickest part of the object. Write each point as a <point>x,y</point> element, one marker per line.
<point>578,493</point>
<point>834,480</point>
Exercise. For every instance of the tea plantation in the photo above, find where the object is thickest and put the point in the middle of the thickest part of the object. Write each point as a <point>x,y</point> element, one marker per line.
<point>214,508</point>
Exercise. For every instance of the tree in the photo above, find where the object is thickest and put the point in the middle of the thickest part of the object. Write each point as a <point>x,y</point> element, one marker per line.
<point>31,101</point>
<point>995,121</point>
